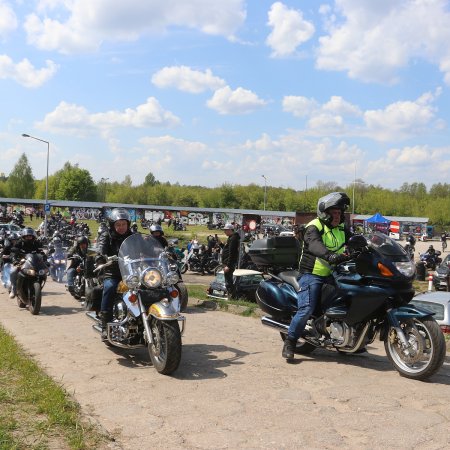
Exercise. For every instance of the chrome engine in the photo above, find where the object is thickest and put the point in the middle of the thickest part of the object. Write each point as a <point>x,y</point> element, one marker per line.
<point>341,334</point>
<point>124,328</point>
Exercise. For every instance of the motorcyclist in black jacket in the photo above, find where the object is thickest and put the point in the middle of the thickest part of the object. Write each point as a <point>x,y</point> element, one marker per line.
<point>27,243</point>
<point>108,244</point>
<point>230,257</point>
<point>79,249</point>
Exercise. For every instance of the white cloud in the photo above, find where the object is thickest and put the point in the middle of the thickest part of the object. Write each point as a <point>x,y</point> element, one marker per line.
<point>401,119</point>
<point>372,41</point>
<point>337,117</point>
<point>239,101</point>
<point>91,23</point>
<point>76,120</point>
<point>25,73</point>
<point>289,30</point>
<point>181,147</point>
<point>299,106</point>
<point>186,79</point>
<point>8,19</point>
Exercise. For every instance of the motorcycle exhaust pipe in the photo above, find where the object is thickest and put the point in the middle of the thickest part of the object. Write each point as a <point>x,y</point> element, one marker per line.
<point>268,321</point>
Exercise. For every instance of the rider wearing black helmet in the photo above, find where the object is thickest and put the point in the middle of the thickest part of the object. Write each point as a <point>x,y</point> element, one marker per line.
<point>157,232</point>
<point>26,244</point>
<point>324,240</point>
<point>108,244</point>
<point>80,249</point>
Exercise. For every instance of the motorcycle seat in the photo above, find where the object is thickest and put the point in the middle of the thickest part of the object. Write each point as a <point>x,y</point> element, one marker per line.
<point>290,277</point>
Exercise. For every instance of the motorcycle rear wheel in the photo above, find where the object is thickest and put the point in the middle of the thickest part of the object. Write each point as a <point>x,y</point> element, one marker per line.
<point>35,298</point>
<point>165,352</point>
<point>427,349</point>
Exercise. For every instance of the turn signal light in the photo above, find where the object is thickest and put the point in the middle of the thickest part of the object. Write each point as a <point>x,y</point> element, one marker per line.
<point>132,298</point>
<point>445,329</point>
<point>174,293</point>
<point>384,270</point>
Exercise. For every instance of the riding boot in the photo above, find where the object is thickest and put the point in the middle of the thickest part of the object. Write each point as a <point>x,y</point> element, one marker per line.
<point>105,316</point>
<point>288,348</point>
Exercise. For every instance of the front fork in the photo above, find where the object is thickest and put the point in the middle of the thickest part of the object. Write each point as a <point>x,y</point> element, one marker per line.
<point>395,324</point>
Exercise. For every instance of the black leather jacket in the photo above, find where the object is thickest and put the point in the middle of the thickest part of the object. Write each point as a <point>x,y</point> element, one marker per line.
<point>108,244</point>
<point>230,252</point>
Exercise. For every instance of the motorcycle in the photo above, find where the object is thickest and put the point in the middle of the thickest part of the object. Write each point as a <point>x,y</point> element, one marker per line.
<point>79,284</point>
<point>57,263</point>
<point>370,296</point>
<point>409,249</point>
<point>31,278</point>
<point>431,261</point>
<point>146,309</point>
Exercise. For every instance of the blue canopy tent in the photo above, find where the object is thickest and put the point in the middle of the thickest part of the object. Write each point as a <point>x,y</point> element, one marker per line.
<point>377,223</point>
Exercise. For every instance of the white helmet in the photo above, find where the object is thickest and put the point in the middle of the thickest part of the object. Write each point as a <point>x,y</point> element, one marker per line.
<point>228,226</point>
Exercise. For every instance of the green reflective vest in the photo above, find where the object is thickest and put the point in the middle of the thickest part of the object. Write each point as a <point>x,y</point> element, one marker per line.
<point>333,239</point>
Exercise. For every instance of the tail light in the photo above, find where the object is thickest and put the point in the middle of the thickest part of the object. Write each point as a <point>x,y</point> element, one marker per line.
<point>445,329</point>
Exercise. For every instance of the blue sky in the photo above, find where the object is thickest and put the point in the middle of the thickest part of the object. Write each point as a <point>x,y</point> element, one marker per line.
<point>207,92</point>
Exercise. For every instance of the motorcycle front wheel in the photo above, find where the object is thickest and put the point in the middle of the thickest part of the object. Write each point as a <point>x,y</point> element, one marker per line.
<point>165,351</point>
<point>35,297</point>
<point>426,353</point>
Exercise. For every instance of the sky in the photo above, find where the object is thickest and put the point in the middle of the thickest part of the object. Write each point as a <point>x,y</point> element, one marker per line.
<point>206,92</point>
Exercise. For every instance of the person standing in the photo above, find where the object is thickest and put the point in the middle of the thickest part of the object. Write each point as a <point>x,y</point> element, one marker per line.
<point>324,241</point>
<point>230,257</point>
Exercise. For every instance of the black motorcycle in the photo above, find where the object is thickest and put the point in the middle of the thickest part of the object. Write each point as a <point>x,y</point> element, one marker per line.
<point>79,282</point>
<point>370,296</point>
<point>31,278</point>
<point>57,263</point>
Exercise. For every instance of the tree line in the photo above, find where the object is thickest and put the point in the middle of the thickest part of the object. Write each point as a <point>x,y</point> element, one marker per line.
<point>74,183</point>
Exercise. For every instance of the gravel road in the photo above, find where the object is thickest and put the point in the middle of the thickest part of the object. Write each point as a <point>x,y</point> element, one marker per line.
<point>232,390</point>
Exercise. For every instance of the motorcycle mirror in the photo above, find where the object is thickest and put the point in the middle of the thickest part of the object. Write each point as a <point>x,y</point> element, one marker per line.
<point>357,242</point>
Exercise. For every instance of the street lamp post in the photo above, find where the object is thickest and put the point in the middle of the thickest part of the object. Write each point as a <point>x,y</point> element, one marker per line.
<point>265,191</point>
<point>46,180</point>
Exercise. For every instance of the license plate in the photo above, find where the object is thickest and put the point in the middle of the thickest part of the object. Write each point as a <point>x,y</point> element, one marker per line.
<point>443,283</point>
<point>217,292</point>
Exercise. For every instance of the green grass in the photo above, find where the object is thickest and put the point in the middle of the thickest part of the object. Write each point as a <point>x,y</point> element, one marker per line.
<point>35,411</point>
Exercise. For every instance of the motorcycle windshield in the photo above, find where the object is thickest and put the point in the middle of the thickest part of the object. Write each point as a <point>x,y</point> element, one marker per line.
<point>137,253</point>
<point>387,247</point>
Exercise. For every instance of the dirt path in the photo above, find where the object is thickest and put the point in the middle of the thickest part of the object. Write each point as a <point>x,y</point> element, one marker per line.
<point>232,390</point>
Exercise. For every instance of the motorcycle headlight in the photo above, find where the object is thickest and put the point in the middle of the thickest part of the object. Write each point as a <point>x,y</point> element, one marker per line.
<point>63,261</point>
<point>406,268</point>
<point>30,272</point>
<point>56,261</point>
<point>132,281</point>
<point>43,271</point>
<point>152,278</point>
<point>172,278</point>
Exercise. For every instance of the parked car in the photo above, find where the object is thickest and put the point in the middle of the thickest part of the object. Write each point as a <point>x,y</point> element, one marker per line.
<point>10,227</point>
<point>441,275</point>
<point>439,304</point>
<point>246,282</point>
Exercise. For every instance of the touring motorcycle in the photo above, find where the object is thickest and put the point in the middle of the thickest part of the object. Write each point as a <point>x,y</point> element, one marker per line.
<point>31,277</point>
<point>146,310</point>
<point>57,263</point>
<point>370,296</point>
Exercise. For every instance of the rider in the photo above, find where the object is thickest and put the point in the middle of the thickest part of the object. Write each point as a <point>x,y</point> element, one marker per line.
<point>80,249</point>
<point>108,244</point>
<point>26,244</point>
<point>324,241</point>
<point>157,232</point>
<point>411,240</point>
<point>431,251</point>
<point>444,240</point>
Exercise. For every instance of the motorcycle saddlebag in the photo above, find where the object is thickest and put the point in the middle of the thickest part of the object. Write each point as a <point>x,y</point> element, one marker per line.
<point>277,299</point>
<point>282,251</point>
<point>93,298</point>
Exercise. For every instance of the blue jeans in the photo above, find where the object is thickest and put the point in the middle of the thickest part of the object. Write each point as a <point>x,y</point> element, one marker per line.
<point>71,276</point>
<point>307,299</point>
<point>109,289</point>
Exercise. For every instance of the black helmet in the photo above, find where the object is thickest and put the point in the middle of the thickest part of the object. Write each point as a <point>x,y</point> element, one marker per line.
<point>119,214</point>
<point>82,240</point>
<point>338,200</point>
<point>156,227</point>
<point>28,232</point>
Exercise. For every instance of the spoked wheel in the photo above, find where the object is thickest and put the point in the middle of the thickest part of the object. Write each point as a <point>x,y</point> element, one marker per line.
<point>165,352</point>
<point>302,347</point>
<point>35,297</point>
<point>426,353</point>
